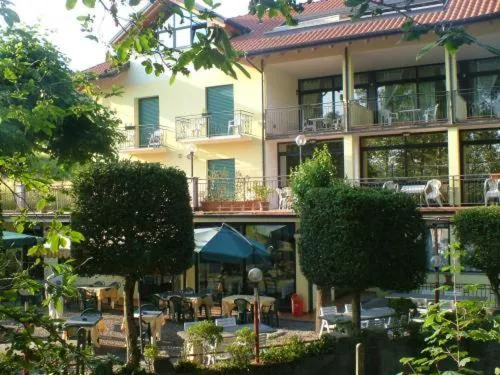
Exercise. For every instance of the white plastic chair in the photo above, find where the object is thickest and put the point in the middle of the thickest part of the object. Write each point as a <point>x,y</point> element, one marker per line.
<point>155,139</point>
<point>430,114</point>
<point>432,191</point>
<point>387,116</point>
<point>348,308</point>
<point>226,322</point>
<point>234,124</point>
<point>390,185</point>
<point>491,190</point>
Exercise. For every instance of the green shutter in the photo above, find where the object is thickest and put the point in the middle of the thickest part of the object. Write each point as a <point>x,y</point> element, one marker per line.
<point>220,106</point>
<point>149,119</point>
<point>221,173</point>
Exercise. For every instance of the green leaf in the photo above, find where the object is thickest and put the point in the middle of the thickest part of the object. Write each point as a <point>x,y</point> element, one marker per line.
<point>10,16</point>
<point>189,4</point>
<point>92,37</point>
<point>9,75</point>
<point>89,3</point>
<point>133,3</point>
<point>40,205</point>
<point>70,4</point>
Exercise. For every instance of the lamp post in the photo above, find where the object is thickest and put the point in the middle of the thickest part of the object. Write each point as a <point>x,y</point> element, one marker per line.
<point>436,263</point>
<point>300,140</point>
<point>255,276</point>
<point>191,150</point>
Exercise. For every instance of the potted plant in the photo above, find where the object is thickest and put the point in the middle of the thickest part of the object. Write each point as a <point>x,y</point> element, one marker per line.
<point>261,192</point>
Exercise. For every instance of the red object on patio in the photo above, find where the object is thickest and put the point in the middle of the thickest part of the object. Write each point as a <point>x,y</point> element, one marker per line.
<point>297,304</point>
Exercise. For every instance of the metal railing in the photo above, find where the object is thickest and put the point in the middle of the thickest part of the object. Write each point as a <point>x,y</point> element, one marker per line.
<point>214,125</point>
<point>144,136</point>
<point>399,110</point>
<point>305,118</point>
<point>18,198</point>
<point>481,291</point>
<point>477,104</point>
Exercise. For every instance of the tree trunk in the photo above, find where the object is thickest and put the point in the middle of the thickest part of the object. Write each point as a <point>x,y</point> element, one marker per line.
<point>356,313</point>
<point>131,331</point>
<point>495,287</point>
<point>322,299</point>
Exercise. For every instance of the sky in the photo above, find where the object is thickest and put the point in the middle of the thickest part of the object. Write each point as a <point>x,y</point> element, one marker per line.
<point>64,29</point>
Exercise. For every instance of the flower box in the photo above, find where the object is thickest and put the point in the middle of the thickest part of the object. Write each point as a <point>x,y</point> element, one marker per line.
<point>249,205</point>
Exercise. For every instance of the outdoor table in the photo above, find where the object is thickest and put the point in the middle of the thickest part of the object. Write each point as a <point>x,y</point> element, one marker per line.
<point>413,189</point>
<point>414,113</point>
<point>228,302</point>
<point>196,299</point>
<point>102,293</point>
<point>155,320</point>
<point>231,331</point>
<point>91,323</point>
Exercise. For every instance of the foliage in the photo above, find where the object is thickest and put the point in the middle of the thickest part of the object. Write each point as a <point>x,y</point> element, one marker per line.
<point>205,332</point>
<point>137,220</point>
<point>402,305</point>
<point>241,349</point>
<point>261,191</point>
<point>478,229</point>
<point>293,350</point>
<point>188,367</point>
<point>150,354</point>
<point>359,238</point>
<point>318,171</point>
<point>449,332</point>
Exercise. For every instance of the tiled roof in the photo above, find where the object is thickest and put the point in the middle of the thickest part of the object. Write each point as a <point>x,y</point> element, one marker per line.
<point>106,69</point>
<point>258,41</point>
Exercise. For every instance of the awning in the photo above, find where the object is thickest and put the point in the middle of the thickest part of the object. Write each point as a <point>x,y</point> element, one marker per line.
<point>18,240</point>
<point>226,244</point>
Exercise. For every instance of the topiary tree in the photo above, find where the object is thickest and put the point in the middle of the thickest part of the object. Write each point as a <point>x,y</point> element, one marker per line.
<point>137,220</point>
<point>479,229</point>
<point>357,238</point>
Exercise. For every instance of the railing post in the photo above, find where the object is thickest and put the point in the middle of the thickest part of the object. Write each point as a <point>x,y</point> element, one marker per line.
<point>194,193</point>
<point>360,359</point>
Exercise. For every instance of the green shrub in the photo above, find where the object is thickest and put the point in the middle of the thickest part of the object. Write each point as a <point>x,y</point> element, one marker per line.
<point>293,350</point>
<point>241,349</point>
<point>188,367</point>
<point>402,305</point>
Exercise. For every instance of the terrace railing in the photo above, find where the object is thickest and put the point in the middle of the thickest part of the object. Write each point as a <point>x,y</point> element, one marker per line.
<point>214,125</point>
<point>305,118</point>
<point>473,104</point>
<point>399,111</point>
<point>16,198</point>
<point>144,137</point>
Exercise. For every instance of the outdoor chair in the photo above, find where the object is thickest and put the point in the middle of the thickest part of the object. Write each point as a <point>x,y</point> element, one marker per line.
<point>235,125</point>
<point>269,315</point>
<point>91,312</point>
<point>218,352</point>
<point>430,114</point>
<point>387,116</point>
<point>155,139</point>
<point>390,185</point>
<point>180,309</point>
<point>99,283</point>
<point>226,322</point>
<point>87,299</point>
<point>374,324</point>
<point>491,190</point>
<point>244,310</point>
<point>281,199</point>
<point>328,315</point>
<point>348,308</point>
<point>432,191</point>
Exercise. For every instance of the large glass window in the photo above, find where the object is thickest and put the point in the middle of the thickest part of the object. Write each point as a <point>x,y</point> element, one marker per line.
<point>480,159</point>
<point>438,241</point>
<point>411,155</point>
<point>288,154</point>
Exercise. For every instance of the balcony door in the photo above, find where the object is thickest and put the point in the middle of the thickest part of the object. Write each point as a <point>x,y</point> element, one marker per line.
<point>149,119</point>
<point>221,179</point>
<point>220,107</point>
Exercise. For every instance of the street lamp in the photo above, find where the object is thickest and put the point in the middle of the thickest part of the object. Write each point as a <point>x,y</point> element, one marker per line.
<point>436,263</point>
<point>300,140</point>
<point>255,276</point>
<point>191,150</point>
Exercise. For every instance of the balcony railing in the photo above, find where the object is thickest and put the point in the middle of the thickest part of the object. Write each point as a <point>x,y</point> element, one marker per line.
<point>477,104</point>
<point>214,125</point>
<point>305,118</point>
<point>427,191</point>
<point>144,137</point>
<point>17,198</point>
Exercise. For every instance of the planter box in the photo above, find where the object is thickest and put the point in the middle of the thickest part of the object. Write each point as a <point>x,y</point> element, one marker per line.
<point>495,176</point>
<point>250,205</point>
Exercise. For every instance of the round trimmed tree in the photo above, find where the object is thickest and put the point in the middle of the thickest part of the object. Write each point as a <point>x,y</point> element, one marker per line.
<point>479,230</point>
<point>357,238</point>
<point>137,220</point>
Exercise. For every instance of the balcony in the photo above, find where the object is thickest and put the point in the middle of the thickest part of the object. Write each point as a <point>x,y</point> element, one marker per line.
<point>144,139</point>
<point>478,105</point>
<point>15,198</point>
<point>215,127</point>
<point>323,118</point>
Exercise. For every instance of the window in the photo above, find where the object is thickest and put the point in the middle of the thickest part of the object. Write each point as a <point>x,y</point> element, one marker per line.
<point>149,118</point>
<point>181,31</point>
<point>438,240</point>
<point>221,184</point>
<point>220,107</point>
<point>288,156</point>
<point>415,155</point>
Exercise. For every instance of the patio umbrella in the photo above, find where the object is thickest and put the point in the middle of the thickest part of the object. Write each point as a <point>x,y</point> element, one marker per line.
<point>18,240</point>
<point>226,244</point>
